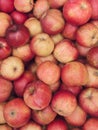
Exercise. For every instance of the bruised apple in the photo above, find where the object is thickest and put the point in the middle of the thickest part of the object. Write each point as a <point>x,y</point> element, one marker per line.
<point>37,95</point>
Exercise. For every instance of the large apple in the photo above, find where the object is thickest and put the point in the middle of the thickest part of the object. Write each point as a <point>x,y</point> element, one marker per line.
<point>16,113</point>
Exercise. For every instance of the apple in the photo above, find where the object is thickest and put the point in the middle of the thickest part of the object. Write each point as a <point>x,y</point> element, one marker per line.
<point>5,22</point>
<point>92,76</point>
<point>6,87</point>
<point>21,83</point>
<point>68,47</point>
<point>39,59</point>
<point>23,52</point>
<point>42,44</point>
<point>48,72</point>
<point>12,68</point>
<point>5,49</point>
<point>37,95</point>
<point>55,86</point>
<point>56,4</point>
<point>91,124</point>
<point>31,126</point>
<point>77,12</point>
<point>5,127</point>
<point>57,124</point>
<point>69,31</point>
<point>64,102</point>
<point>6,7</point>
<point>94,4</point>
<point>87,101</point>
<point>92,57</point>
<point>40,7</point>
<point>34,26</point>
<point>87,35</point>
<point>24,6</point>
<point>74,73</point>
<point>76,129</point>
<point>44,116</point>
<point>77,118</point>
<point>2,119</point>
<point>55,21</point>
<point>16,113</point>
<point>18,17</point>
<point>17,30</point>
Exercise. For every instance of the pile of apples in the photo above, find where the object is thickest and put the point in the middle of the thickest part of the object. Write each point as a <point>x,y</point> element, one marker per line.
<point>49,65</point>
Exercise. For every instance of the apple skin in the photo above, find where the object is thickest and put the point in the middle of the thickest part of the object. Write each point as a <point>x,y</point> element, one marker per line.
<point>21,83</point>
<point>87,35</point>
<point>55,21</point>
<point>88,101</point>
<point>44,116</point>
<point>5,49</point>
<point>92,57</point>
<point>2,119</point>
<point>40,7</point>
<point>74,73</point>
<point>33,95</point>
<point>48,72</point>
<point>91,124</point>
<point>77,12</point>
<point>77,118</point>
<point>12,113</point>
<point>18,17</point>
<point>56,4</point>
<point>69,105</point>
<point>23,5</point>
<point>6,87</point>
<point>58,124</point>
<point>12,68</point>
<point>6,7</point>
<point>5,127</point>
<point>68,47</point>
<point>20,31</point>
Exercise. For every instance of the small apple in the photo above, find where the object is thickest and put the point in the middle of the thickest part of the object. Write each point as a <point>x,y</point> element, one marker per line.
<point>12,68</point>
<point>37,95</point>
<point>17,30</point>
<point>64,102</point>
<point>16,113</point>
<point>2,119</point>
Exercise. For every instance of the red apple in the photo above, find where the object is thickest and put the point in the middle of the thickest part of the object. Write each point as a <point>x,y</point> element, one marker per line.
<point>92,57</point>
<point>77,12</point>
<point>74,74</point>
<point>42,44</point>
<point>7,7</point>
<point>87,35</point>
<point>77,118</point>
<point>44,116</point>
<point>21,83</point>
<point>55,21</point>
<point>54,87</point>
<point>68,47</point>
<point>56,3</point>
<point>16,113</point>
<point>34,26</point>
<point>88,101</point>
<point>40,7</point>
<point>5,49</point>
<point>6,87</point>
<point>76,129</point>
<point>2,119</point>
<point>24,6</point>
<point>19,31</point>
<point>94,4</point>
<point>5,127</point>
<point>69,31</point>
<point>48,72</point>
<point>57,124</point>
<point>64,102</point>
<point>12,68</point>
<point>37,95</point>
<point>91,124</point>
<point>31,126</point>
<point>18,17</point>
<point>23,52</point>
